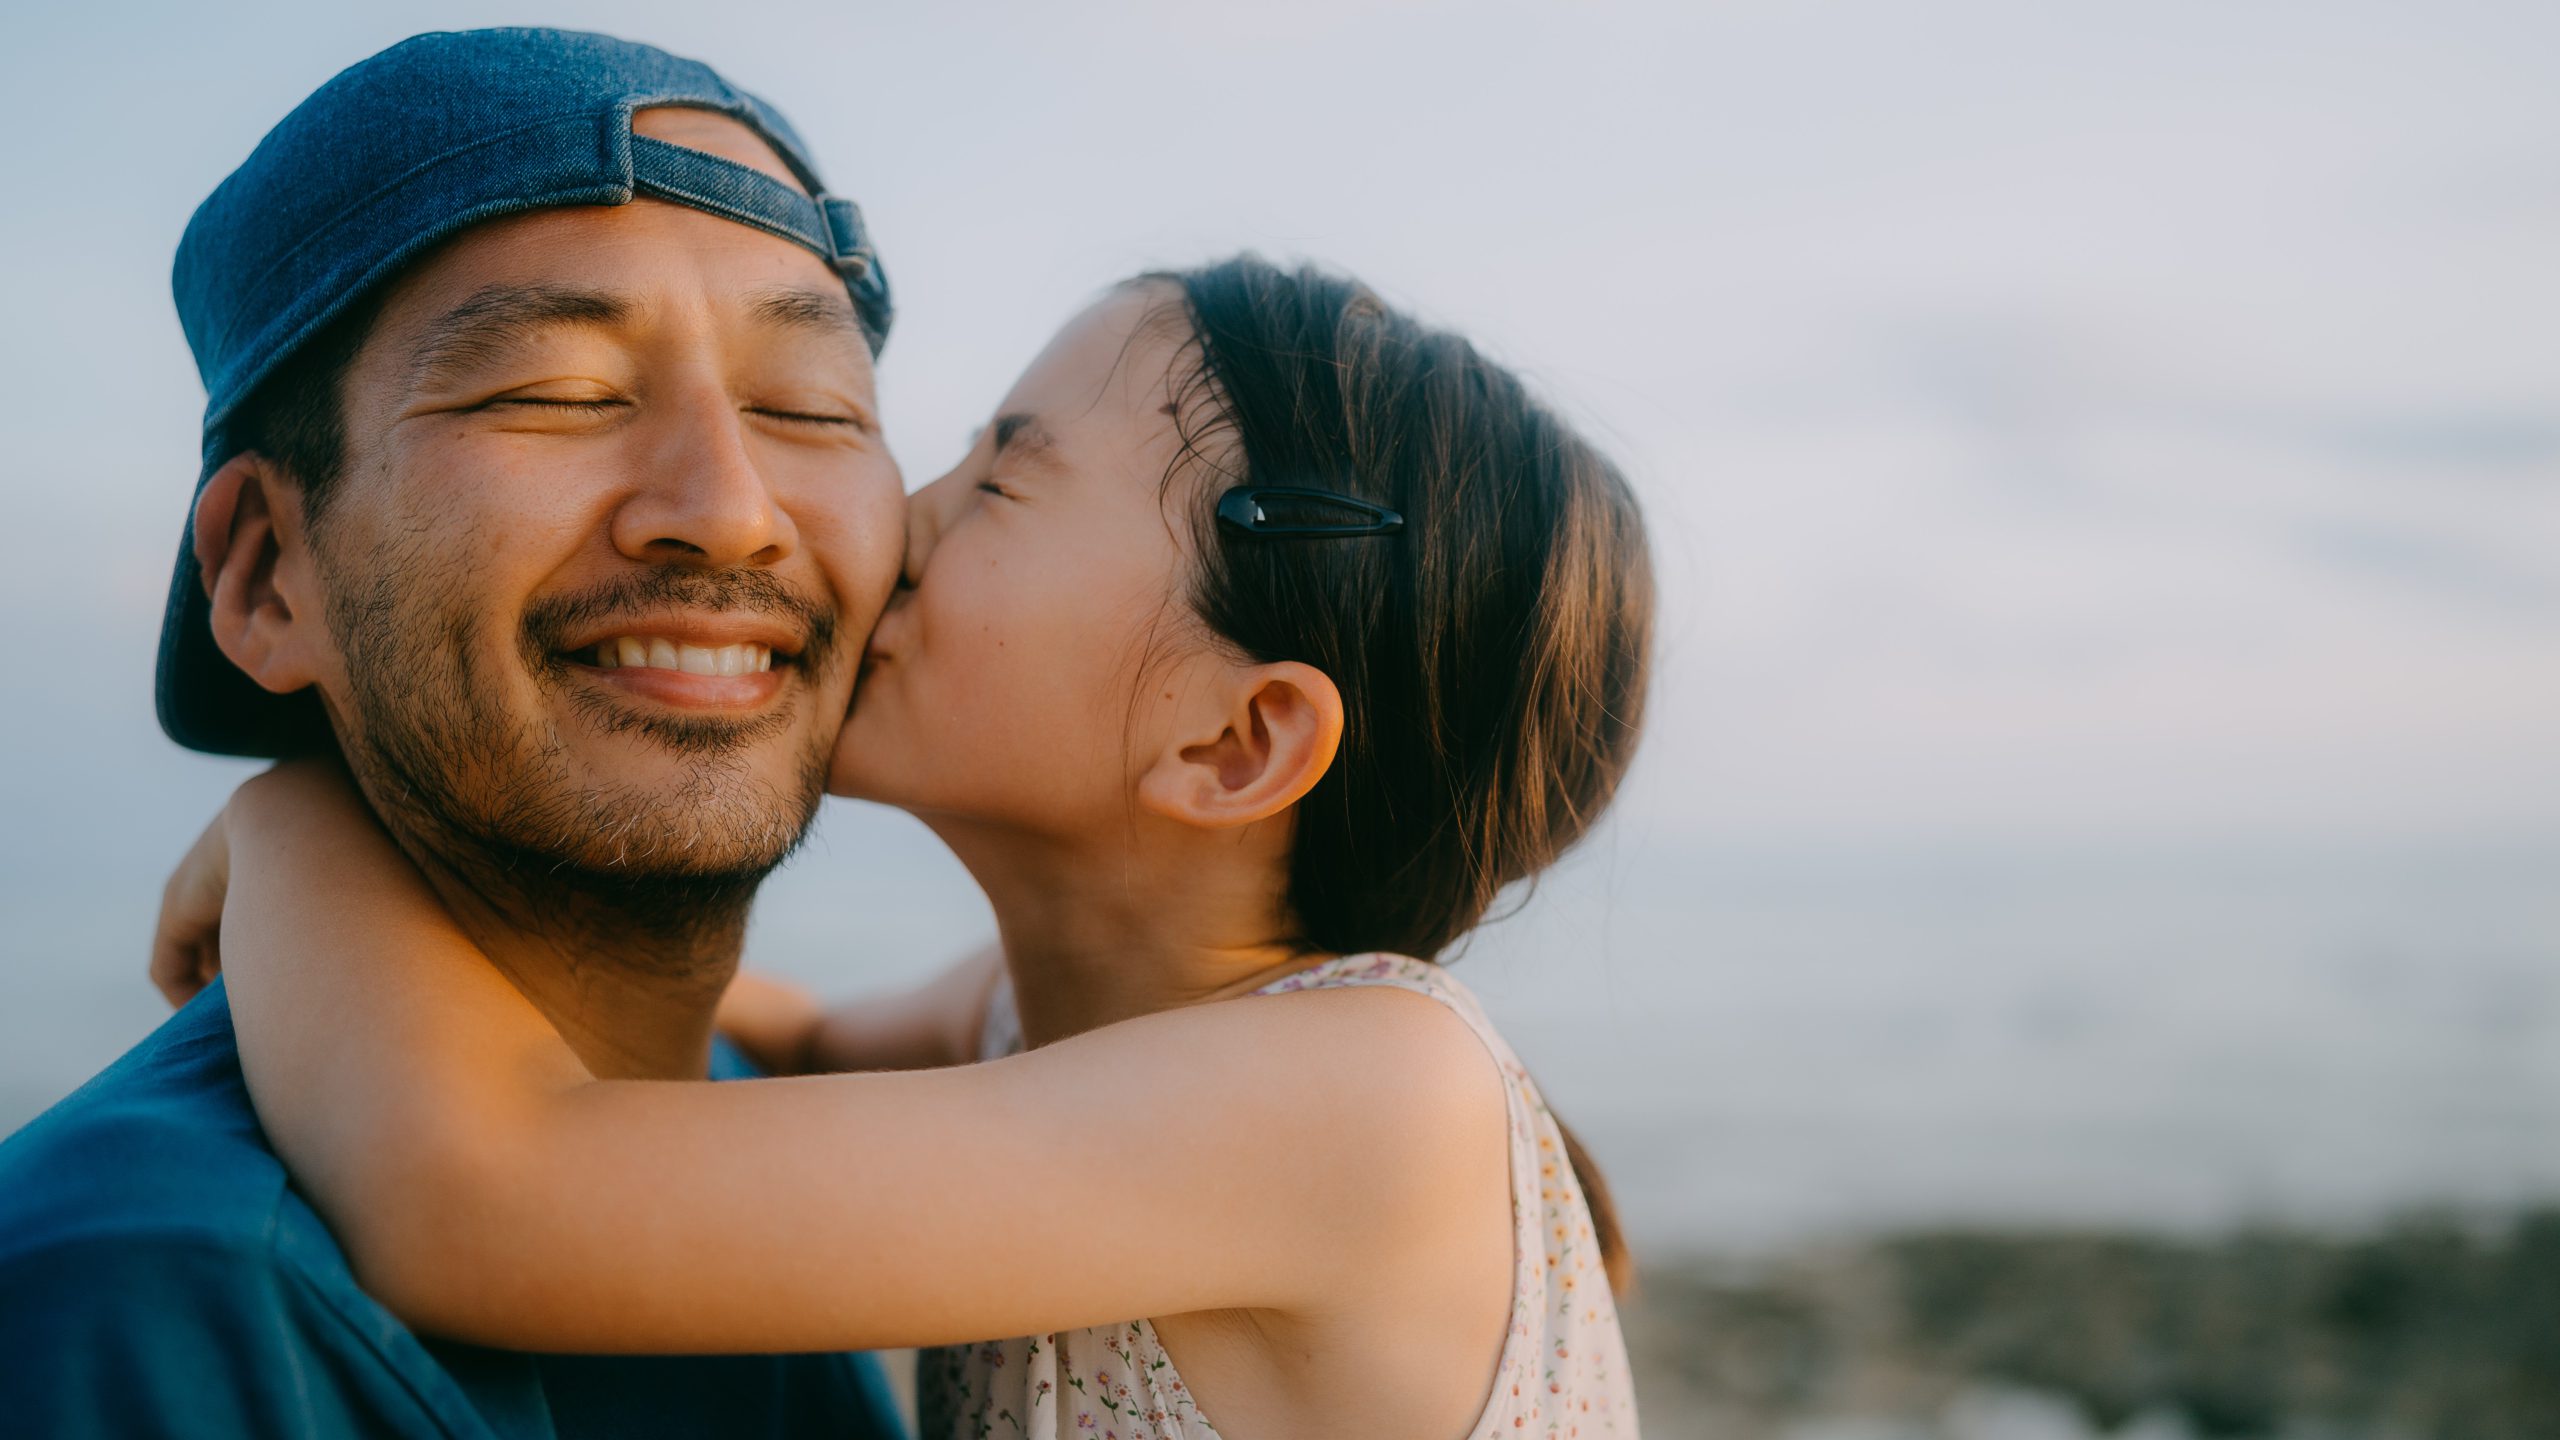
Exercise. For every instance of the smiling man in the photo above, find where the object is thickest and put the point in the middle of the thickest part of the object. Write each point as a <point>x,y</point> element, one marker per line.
<point>542,483</point>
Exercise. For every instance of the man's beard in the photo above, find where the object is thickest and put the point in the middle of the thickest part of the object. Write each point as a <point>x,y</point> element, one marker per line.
<point>493,795</point>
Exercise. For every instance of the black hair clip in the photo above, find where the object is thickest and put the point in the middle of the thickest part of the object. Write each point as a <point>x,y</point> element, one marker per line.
<point>1282,512</point>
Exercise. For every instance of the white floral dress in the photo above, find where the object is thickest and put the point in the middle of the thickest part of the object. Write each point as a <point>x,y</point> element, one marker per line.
<point>1564,1365</point>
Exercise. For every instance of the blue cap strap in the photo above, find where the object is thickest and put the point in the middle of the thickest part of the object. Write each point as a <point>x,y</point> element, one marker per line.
<point>827,225</point>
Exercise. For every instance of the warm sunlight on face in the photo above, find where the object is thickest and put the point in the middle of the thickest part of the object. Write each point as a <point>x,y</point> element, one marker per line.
<point>1041,643</point>
<point>618,510</point>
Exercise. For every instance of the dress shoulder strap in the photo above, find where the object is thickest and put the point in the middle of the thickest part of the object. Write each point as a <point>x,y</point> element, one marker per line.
<point>1402,972</point>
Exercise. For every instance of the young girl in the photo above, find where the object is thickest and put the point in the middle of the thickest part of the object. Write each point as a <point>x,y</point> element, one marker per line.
<point>1263,639</point>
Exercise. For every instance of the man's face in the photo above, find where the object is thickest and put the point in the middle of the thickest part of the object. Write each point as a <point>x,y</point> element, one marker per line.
<point>615,518</point>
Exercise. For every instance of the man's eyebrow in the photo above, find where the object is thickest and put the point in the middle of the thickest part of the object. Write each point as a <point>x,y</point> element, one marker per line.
<point>792,307</point>
<point>497,318</point>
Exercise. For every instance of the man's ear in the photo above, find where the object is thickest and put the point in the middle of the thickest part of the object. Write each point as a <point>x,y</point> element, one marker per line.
<point>1273,739</point>
<point>258,573</point>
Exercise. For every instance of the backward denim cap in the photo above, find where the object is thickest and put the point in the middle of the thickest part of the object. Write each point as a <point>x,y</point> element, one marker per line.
<point>390,158</point>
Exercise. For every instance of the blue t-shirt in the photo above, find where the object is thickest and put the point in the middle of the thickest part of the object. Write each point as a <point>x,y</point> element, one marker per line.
<point>160,1276</point>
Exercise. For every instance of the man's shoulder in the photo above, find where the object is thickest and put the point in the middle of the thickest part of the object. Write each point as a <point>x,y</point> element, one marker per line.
<point>157,1273</point>
<point>153,1255</point>
<point>161,1147</point>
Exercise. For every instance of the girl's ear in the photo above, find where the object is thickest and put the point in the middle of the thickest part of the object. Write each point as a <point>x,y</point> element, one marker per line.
<point>257,572</point>
<point>1274,740</point>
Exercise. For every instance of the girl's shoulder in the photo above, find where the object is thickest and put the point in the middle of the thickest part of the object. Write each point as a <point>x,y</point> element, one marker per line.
<point>1451,1002</point>
<point>1398,1049</point>
<point>1385,1052</point>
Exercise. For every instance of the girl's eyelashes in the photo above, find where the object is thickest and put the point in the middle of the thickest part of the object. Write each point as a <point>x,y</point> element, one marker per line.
<point>992,488</point>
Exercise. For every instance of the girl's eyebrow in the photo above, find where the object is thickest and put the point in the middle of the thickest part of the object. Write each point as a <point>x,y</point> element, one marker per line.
<point>1028,438</point>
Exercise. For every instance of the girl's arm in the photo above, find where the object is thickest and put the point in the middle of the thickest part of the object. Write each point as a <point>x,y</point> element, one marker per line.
<point>937,1023</point>
<point>1281,1154</point>
<point>779,1025</point>
<point>783,1030</point>
<point>186,945</point>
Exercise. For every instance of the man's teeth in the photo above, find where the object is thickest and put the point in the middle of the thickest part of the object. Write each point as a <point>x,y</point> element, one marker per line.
<point>649,652</point>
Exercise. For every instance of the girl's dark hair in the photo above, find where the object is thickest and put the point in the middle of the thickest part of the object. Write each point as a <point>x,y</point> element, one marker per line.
<point>1491,656</point>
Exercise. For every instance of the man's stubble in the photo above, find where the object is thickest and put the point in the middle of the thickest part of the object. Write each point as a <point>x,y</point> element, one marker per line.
<point>493,797</point>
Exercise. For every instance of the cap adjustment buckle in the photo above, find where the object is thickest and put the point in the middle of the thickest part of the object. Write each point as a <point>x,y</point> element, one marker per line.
<point>828,225</point>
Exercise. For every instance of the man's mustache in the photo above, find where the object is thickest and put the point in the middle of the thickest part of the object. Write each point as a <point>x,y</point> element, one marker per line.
<point>552,619</point>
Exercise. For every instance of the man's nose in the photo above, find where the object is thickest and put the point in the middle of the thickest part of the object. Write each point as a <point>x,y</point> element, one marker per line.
<point>701,499</point>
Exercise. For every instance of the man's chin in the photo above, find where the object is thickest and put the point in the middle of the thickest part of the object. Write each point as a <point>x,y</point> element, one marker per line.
<point>687,770</point>
<point>680,753</point>
<point>635,833</point>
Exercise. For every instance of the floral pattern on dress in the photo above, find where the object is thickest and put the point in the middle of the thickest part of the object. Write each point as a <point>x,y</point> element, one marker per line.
<point>1563,1373</point>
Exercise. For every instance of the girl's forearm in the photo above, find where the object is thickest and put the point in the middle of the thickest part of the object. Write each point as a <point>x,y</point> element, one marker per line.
<point>936,1024</point>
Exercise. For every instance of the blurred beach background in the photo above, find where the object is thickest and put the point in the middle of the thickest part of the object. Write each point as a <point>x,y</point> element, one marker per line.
<point>2081,953</point>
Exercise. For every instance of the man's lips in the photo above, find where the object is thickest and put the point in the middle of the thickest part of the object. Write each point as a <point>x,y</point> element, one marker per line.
<point>683,691</point>
<point>691,662</point>
<point>701,629</point>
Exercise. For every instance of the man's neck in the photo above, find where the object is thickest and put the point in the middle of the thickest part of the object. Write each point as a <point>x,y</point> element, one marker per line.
<point>631,976</point>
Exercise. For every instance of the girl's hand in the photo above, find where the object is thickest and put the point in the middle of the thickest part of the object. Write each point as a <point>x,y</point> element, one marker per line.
<point>186,948</point>
<point>772,1020</point>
